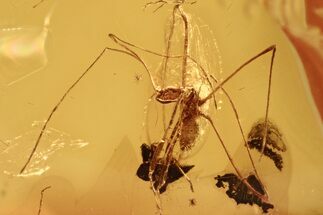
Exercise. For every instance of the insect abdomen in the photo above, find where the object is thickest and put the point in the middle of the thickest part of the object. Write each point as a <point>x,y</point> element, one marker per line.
<point>189,133</point>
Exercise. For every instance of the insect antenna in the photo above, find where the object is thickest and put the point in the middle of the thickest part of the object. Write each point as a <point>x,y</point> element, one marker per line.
<point>135,55</point>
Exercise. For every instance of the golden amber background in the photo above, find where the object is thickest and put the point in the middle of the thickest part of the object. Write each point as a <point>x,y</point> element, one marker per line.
<point>90,153</point>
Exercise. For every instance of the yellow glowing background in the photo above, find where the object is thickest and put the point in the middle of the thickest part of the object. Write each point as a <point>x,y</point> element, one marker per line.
<point>91,149</point>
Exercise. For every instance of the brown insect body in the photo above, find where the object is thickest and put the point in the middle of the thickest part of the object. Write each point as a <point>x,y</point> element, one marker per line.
<point>190,113</point>
<point>181,137</point>
<point>189,130</point>
<point>185,132</point>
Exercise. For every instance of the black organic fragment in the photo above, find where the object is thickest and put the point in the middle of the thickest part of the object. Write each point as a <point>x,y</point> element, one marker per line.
<point>240,192</point>
<point>173,173</point>
<point>274,156</point>
<point>274,142</point>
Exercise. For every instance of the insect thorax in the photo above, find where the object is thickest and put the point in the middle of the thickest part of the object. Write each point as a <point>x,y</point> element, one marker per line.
<point>190,113</point>
<point>169,94</point>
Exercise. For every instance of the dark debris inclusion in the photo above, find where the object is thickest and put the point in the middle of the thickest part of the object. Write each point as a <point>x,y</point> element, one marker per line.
<point>238,191</point>
<point>274,142</point>
<point>173,173</point>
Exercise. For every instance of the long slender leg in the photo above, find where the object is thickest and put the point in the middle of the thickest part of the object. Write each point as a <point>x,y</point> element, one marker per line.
<point>55,109</point>
<point>171,121</point>
<point>234,109</point>
<point>264,198</point>
<point>165,64</point>
<point>267,50</point>
<point>165,56</point>
<point>168,46</point>
<point>168,157</point>
<point>267,101</point>
<point>220,85</point>
<point>241,130</point>
<point>164,140</point>
<point>130,53</point>
<point>136,56</point>
<point>146,113</point>
<point>205,76</point>
<point>121,41</point>
<point>41,199</point>
<point>157,197</point>
<point>168,56</point>
<point>160,180</point>
<point>185,55</point>
<point>166,160</point>
<point>170,143</point>
<point>186,177</point>
<point>186,42</point>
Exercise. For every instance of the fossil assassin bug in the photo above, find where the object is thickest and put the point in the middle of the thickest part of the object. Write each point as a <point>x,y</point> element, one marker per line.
<point>160,164</point>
